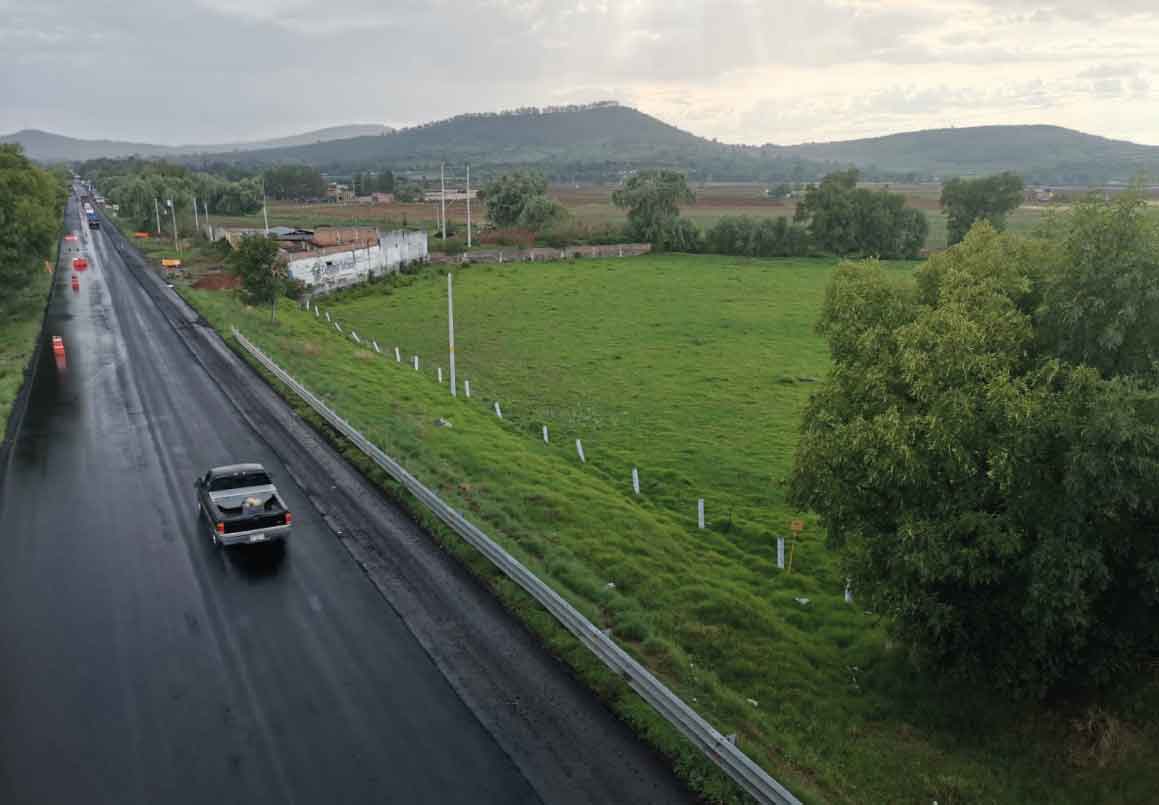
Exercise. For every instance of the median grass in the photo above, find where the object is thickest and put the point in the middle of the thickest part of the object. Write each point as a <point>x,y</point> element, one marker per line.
<point>694,369</point>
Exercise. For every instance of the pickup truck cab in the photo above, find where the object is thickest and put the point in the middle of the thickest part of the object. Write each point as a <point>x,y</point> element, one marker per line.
<point>242,505</point>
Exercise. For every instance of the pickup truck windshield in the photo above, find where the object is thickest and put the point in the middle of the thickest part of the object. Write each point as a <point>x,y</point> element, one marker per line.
<point>239,481</point>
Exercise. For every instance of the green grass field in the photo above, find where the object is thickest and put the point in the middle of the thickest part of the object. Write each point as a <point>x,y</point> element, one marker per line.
<point>694,369</point>
<point>20,320</point>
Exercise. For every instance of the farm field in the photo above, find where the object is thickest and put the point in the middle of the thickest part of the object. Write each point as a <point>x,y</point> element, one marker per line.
<point>591,207</point>
<point>694,369</point>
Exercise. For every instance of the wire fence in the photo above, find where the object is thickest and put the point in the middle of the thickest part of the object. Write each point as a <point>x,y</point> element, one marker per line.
<point>718,748</point>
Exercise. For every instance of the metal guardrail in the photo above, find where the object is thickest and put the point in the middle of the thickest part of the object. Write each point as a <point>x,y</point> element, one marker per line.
<point>719,749</point>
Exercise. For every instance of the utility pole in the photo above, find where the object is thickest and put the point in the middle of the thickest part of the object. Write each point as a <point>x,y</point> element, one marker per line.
<point>443,195</point>
<point>173,215</point>
<point>157,212</point>
<point>265,214</point>
<point>468,216</point>
<point>451,330</point>
<point>205,206</point>
<point>196,223</point>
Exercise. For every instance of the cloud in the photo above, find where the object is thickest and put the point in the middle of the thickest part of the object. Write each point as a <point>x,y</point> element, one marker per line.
<point>740,70</point>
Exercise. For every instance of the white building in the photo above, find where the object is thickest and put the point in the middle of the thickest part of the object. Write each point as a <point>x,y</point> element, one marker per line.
<point>342,266</point>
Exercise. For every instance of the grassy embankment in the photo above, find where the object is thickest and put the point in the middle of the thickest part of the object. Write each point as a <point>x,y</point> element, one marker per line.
<point>21,316</point>
<point>694,369</point>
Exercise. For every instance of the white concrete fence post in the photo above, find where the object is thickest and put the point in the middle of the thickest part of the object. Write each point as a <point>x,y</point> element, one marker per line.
<point>397,355</point>
<point>636,481</point>
<point>467,387</point>
<point>781,553</point>
<point>545,439</point>
<point>498,411</point>
<point>439,371</point>
<point>416,361</point>
<point>700,512</point>
<point>579,448</point>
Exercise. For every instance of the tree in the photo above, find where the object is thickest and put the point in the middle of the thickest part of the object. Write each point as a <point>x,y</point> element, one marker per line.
<point>507,195</point>
<point>827,210</point>
<point>653,199</point>
<point>540,212</point>
<point>30,210</point>
<point>1101,301</point>
<point>407,192</point>
<point>968,200</point>
<point>848,220</point>
<point>294,182</point>
<point>994,496</point>
<point>259,266</point>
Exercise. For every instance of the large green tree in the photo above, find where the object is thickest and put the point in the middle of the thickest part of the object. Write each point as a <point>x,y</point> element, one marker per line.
<point>519,199</point>
<point>30,207</point>
<point>995,495</point>
<point>652,199</point>
<point>966,201</point>
<point>848,220</point>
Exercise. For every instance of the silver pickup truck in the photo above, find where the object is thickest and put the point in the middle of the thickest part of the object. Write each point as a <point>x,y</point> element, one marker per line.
<point>242,505</point>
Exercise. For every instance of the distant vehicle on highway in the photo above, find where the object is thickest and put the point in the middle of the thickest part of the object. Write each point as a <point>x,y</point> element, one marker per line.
<point>80,263</point>
<point>70,237</point>
<point>242,505</point>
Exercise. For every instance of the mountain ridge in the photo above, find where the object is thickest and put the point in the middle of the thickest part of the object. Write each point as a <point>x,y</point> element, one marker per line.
<point>606,140</point>
<point>48,146</point>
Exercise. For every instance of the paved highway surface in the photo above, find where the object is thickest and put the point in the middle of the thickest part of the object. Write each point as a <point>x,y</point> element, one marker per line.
<point>142,665</point>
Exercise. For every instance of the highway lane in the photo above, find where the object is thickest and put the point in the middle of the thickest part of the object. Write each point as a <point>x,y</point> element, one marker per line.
<point>142,665</point>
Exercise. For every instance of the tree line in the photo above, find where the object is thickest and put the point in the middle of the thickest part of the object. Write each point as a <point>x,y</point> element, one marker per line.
<point>32,201</point>
<point>834,217</point>
<point>139,187</point>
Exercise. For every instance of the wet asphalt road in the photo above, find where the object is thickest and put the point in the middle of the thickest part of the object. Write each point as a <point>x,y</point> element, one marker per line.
<point>142,665</point>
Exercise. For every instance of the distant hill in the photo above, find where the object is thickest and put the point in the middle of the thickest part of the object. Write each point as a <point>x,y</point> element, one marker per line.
<point>605,140</point>
<point>1049,154</point>
<point>597,141</point>
<point>46,146</point>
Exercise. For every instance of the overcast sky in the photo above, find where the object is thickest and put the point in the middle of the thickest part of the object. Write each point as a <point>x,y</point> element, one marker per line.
<point>781,71</point>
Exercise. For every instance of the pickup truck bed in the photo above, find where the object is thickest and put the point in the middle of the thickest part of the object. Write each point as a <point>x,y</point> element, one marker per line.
<point>242,505</point>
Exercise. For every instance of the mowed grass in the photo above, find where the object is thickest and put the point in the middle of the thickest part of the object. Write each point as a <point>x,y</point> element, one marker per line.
<point>695,369</point>
<point>21,316</point>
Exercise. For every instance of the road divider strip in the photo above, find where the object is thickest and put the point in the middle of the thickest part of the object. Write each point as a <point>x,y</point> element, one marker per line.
<point>715,746</point>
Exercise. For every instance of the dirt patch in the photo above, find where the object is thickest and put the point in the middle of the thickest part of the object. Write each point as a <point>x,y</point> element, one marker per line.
<point>311,349</point>
<point>216,281</point>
